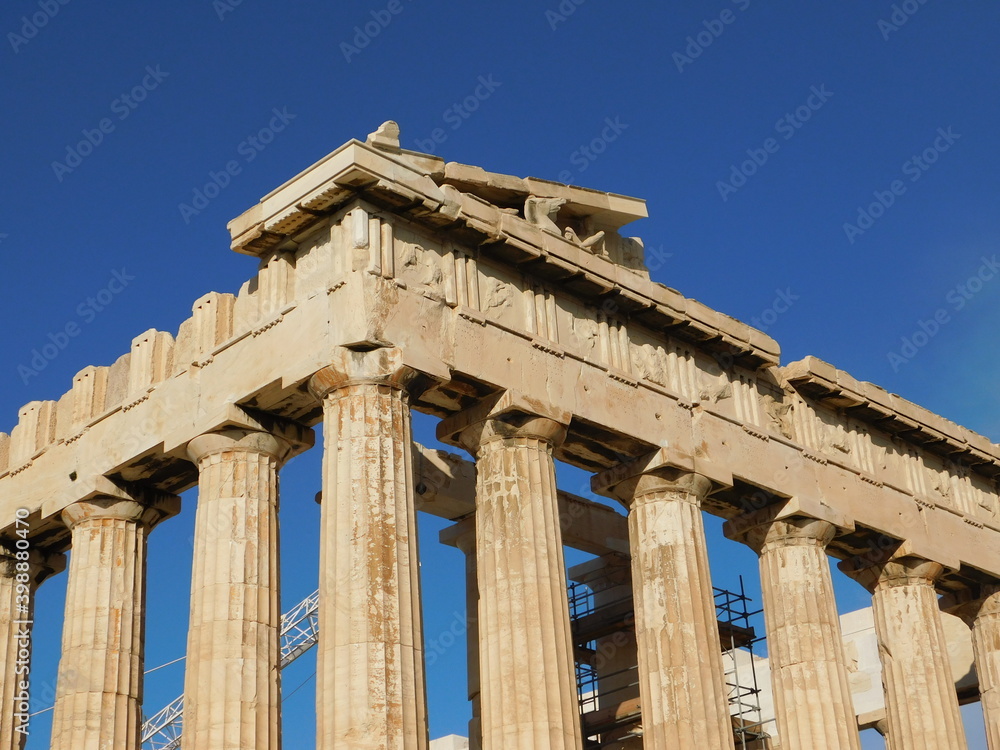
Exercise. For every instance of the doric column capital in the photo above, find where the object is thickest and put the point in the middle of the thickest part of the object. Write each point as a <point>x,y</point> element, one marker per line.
<point>989,599</point>
<point>148,513</point>
<point>250,441</point>
<point>891,570</point>
<point>237,420</point>
<point>42,564</point>
<point>651,479</point>
<point>508,416</point>
<point>797,531</point>
<point>382,366</point>
<point>511,427</point>
<point>662,484</point>
<point>769,528</point>
<point>461,535</point>
<point>979,600</point>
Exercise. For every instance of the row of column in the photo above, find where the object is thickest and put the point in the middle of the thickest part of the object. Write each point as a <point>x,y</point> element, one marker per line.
<point>370,675</point>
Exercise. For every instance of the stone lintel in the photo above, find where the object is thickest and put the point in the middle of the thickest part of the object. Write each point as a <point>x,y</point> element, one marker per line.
<point>428,363</point>
<point>608,570</point>
<point>946,556</point>
<point>869,570</point>
<point>444,483</point>
<point>236,417</point>
<point>611,543</point>
<point>448,491</point>
<point>969,602</point>
<point>892,549</point>
<point>586,525</point>
<point>592,527</point>
<point>509,406</point>
<point>744,525</point>
<point>870,719</point>
<point>661,460</point>
<point>101,487</point>
<point>381,363</point>
<point>150,508</point>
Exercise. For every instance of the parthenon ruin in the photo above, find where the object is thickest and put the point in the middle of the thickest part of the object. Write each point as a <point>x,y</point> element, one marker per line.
<point>516,312</point>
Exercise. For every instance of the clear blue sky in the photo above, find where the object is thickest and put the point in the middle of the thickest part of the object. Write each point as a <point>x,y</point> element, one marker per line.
<point>838,110</point>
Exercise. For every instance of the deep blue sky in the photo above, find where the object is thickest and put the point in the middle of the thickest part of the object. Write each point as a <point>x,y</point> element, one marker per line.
<point>558,78</point>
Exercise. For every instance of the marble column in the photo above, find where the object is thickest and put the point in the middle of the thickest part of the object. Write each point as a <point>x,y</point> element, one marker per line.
<point>99,688</point>
<point>370,691</point>
<point>21,572</point>
<point>812,695</point>
<point>681,675</point>
<point>527,667</point>
<point>232,687</point>
<point>983,616</point>
<point>463,536</point>
<point>920,699</point>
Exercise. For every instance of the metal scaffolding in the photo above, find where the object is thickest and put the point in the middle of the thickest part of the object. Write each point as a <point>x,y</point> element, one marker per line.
<point>299,633</point>
<point>616,712</point>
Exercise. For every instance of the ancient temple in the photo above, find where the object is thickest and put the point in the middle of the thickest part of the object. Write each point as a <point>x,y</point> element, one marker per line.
<point>517,312</point>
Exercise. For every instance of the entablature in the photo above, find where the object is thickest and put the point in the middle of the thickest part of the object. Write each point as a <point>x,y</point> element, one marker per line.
<point>372,248</point>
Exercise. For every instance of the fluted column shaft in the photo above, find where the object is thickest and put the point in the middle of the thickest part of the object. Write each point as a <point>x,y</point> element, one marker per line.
<point>984,617</point>
<point>21,571</point>
<point>370,668</point>
<point>812,694</point>
<point>463,536</point>
<point>681,675</point>
<point>527,669</point>
<point>232,687</point>
<point>920,698</point>
<point>99,689</point>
